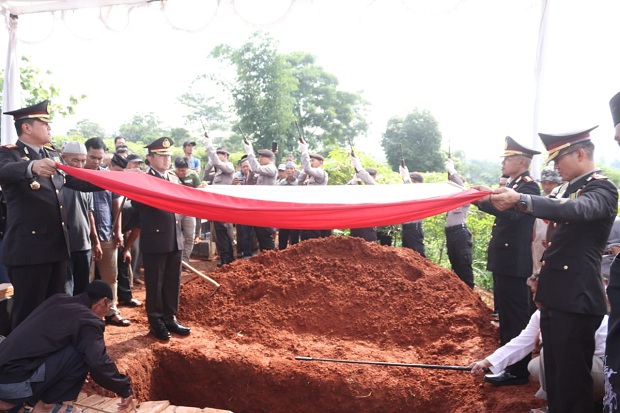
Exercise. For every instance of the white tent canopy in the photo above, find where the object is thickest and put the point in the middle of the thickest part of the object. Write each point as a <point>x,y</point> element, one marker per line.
<point>11,9</point>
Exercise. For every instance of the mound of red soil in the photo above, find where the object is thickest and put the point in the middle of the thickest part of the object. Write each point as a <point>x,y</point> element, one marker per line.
<point>336,298</point>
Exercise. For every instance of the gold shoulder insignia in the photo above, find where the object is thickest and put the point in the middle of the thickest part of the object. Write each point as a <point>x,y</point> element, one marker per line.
<point>599,176</point>
<point>10,146</point>
<point>50,147</point>
<point>528,178</point>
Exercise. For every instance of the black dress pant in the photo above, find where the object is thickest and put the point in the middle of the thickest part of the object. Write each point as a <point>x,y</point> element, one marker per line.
<point>413,237</point>
<point>512,300</point>
<point>569,347</point>
<point>265,238</point>
<point>459,244</point>
<point>162,279</point>
<point>32,284</point>
<point>223,242</point>
<point>287,237</point>
<point>123,279</point>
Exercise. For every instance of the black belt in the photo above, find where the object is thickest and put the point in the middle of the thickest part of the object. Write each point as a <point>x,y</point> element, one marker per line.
<point>456,228</point>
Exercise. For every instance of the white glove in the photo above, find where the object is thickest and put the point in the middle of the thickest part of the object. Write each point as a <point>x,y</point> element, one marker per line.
<point>207,141</point>
<point>247,147</point>
<point>357,164</point>
<point>404,173</point>
<point>450,166</point>
<point>303,148</point>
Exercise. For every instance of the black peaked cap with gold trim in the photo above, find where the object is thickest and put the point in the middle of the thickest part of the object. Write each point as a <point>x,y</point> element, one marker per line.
<point>513,148</point>
<point>39,111</point>
<point>161,146</point>
<point>557,144</point>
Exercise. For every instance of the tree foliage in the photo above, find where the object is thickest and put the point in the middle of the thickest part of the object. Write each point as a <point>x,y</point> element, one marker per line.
<point>276,97</point>
<point>86,129</point>
<point>417,139</point>
<point>36,87</point>
<point>142,128</point>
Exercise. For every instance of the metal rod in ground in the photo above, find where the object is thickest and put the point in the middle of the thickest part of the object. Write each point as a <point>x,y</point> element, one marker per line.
<point>383,363</point>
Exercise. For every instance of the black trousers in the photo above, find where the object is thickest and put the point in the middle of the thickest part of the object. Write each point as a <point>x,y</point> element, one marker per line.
<point>244,233</point>
<point>264,236</point>
<point>459,244</point>
<point>32,284</point>
<point>512,301</point>
<point>78,272</point>
<point>223,242</point>
<point>123,279</point>
<point>569,347</point>
<point>287,237</point>
<point>305,234</point>
<point>368,234</point>
<point>162,279</point>
<point>65,372</point>
<point>612,349</point>
<point>413,237</point>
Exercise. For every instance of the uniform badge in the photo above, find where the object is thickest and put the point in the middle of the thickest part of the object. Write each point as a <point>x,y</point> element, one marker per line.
<point>166,143</point>
<point>25,158</point>
<point>26,150</point>
<point>35,185</point>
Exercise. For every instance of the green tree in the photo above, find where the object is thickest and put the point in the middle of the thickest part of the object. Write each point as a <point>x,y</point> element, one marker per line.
<point>86,129</point>
<point>142,128</point>
<point>210,112</point>
<point>417,139</point>
<point>36,86</point>
<point>329,117</point>
<point>277,96</point>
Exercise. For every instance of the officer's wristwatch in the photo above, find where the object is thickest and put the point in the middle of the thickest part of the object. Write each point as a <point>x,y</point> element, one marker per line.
<point>522,204</point>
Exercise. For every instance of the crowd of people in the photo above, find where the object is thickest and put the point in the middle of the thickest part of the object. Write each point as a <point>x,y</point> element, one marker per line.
<point>545,256</point>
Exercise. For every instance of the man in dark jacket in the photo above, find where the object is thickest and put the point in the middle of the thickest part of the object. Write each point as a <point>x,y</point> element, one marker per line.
<point>570,287</point>
<point>510,258</point>
<point>35,248</point>
<point>161,243</point>
<point>45,360</point>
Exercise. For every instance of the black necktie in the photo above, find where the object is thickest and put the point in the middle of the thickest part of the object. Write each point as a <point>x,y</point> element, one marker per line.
<point>42,153</point>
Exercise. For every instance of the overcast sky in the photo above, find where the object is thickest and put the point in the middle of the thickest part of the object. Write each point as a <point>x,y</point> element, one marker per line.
<point>470,62</point>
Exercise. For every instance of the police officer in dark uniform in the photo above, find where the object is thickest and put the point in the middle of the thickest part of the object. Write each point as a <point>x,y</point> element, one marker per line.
<point>161,244</point>
<point>570,287</point>
<point>36,243</point>
<point>612,352</point>
<point>510,258</point>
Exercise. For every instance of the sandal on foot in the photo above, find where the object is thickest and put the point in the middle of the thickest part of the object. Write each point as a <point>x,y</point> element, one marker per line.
<point>117,320</point>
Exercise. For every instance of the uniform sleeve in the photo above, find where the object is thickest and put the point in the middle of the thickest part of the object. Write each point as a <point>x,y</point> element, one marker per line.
<point>530,188</point>
<point>365,177</point>
<point>102,369</point>
<point>317,173</point>
<point>266,170</point>
<point>598,200</point>
<point>12,170</point>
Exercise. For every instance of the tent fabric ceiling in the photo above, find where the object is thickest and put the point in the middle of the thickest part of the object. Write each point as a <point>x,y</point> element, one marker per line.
<point>17,7</point>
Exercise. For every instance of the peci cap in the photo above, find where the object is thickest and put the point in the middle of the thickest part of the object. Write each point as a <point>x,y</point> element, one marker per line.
<point>98,289</point>
<point>74,148</point>
<point>266,153</point>
<point>222,151</point>
<point>134,157</point>
<point>558,143</point>
<point>160,146</point>
<point>317,156</point>
<point>551,175</point>
<point>187,143</point>
<point>614,105</point>
<point>513,148</point>
<point>39,111</point>
<point>181,162</point>
<point>119,161</point>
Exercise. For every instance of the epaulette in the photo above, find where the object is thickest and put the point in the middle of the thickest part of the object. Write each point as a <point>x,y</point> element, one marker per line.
<point>528,178</point>
<point>50,147</point>
<point>10,146</point>
<point>598,176</point>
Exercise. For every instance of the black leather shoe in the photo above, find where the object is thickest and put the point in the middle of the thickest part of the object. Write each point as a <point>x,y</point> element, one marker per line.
<point>177,328</point>
<point>160,332</point>
<point>505,379</point>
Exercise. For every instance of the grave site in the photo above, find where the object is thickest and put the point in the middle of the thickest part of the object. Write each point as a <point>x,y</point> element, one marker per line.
<point>333,298</point>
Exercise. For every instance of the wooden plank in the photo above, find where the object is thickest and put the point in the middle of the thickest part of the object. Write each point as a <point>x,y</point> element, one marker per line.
<point>154,406</point>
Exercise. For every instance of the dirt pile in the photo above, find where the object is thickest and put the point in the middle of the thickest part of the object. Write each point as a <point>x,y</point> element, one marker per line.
<point>335,297</point>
